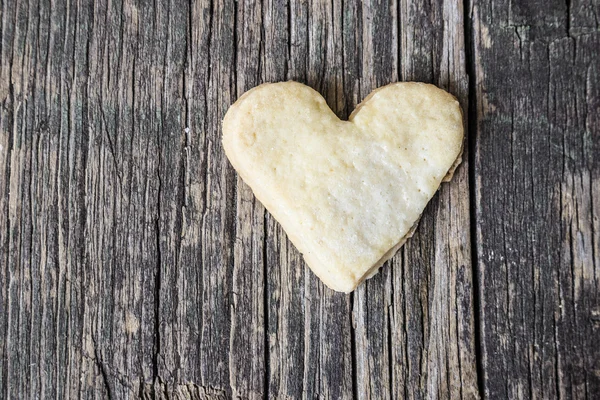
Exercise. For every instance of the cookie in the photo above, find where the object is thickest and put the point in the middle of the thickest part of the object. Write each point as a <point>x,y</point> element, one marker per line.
<point>347,193</point>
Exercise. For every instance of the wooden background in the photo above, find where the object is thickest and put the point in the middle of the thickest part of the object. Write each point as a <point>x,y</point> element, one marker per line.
<point>135,263</point>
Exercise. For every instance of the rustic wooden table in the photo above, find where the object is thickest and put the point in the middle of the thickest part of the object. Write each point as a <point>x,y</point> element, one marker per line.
<point>135,262</point>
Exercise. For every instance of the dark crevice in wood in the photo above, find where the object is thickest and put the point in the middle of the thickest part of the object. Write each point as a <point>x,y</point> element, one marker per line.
<point>472,126</point>
<point>343,112</point>
<point>460,370</point>
<point>529,370</point>
<point>405,321</point>
<point>111,148</point>
<point>508,361</point>
<point>399,42</point>
<point>189,61</point>
<point>568,17</point>
<point>178,229</point>
<point>353,347</point>
<point>533,257</point>
<point>30,250</point>
<point>306,59</point>
<point>289,40</point>
<point>187,83</point>
<point>157,278</point>
<point>103,371</point>
<point>573,279</point>
<point>157,288</point>
<point>267,327</point>
<point>334,82</point>
<point>389,338</point>
<point>6,257</point>
<point>234,54</point>
<point>81,179</point>
<point>207,84</point>
<point>261,46</point>
<point>593,229</point>
<point>555,338</point>
<point>557,381</point>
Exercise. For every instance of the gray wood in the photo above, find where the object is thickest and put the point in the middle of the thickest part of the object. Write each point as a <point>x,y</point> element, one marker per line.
<point>136,263</point>
<point>414,328</point>
<point>536,172</point>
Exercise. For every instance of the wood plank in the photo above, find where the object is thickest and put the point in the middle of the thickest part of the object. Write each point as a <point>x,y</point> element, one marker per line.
<point>536,184</point>
<point>407,339</point>
<point>435,289</point>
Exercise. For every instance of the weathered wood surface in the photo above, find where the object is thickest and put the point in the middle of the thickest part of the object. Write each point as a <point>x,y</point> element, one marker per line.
<point>135,263</point>
<point>537,192</point>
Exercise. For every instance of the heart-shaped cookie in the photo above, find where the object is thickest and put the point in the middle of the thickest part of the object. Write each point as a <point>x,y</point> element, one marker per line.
<point>347,193</point>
